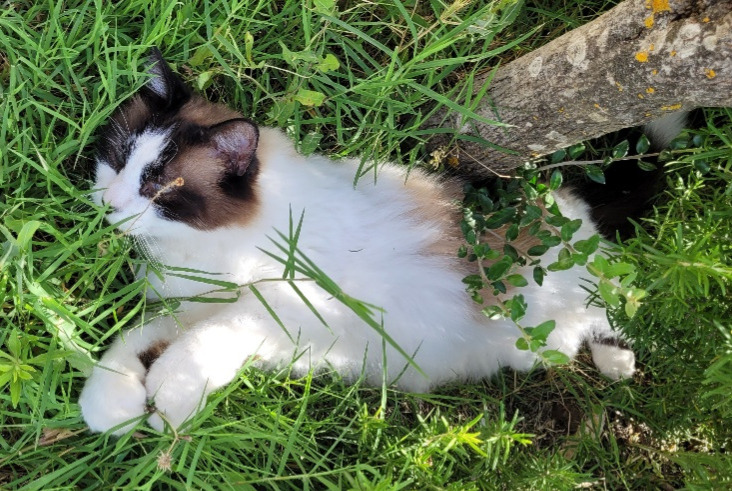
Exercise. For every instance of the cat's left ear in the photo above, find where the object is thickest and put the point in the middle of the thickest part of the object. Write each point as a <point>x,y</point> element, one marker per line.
<point>236,143</point>
<point>164,87</point>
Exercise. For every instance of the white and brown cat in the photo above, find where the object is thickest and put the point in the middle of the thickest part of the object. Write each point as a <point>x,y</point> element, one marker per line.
<point>203,187</point>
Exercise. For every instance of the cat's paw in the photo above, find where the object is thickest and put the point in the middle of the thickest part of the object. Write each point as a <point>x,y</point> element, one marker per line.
<point>111,398</point>
<point>616,362</point>
<point>178,393</point>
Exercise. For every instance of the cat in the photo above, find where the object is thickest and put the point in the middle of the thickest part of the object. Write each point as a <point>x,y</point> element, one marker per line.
<point>202,187</point>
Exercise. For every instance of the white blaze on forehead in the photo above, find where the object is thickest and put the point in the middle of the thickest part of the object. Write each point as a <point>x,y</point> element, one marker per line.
<point>125,187</point>
<point>147,148</point>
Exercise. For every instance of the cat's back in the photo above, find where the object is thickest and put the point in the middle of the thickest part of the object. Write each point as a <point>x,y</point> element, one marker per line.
<point>393,209</point>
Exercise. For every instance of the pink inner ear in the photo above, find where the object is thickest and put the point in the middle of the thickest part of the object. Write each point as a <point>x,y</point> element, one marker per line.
<point>236,141</point>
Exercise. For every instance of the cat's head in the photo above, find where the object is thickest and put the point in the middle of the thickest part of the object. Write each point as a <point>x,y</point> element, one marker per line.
<point>169,159</point>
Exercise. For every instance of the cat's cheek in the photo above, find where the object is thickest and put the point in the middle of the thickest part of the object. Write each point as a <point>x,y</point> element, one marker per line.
<point>136,216</point>
<point>104,177</point>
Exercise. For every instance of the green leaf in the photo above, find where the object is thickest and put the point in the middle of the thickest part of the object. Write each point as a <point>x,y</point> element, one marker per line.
<point>535,344</point>
<point>554,357</point>
<point>328,64</point>
<point>556,220</point>
<point>588,246</point>
<point>576,150</point>
<point>619,269</point>
<point>493,312</point>
<point>621,149</point>
<point>628,280</point>
<point>609,293</point>
<point>516,280</point>
<point>282,110</point>
<point>646,166</point>
<point>702,166</point>
<point>325,7</point>
<point>558,156</point>
<point>579,258</point>
<point>539,274</point>
<point>248,45</point>
<point>569,229</point>
<point>542,331</point>
<point>204,79</point>
<point>551,241</point>
<point>310,98</point>
<point>600,265</point>
<point>512,232</point>
<point>15,387</point>
<point>522,344</point>
<point>635,294</point>
<point>497,270</point>
<point>595,173</point>
<point>517,306</point>
<point>13,344</point>
<point>564,261</point>
<point>555,181</point>
<point>200,56</point>
<point>511,252</point>
<point>5,378</point>
<point>642,145</point>
<point>26,233</point>
<point>537,250</point>
<point>500,217</point>
<point>310,142</point>
<point>532,212</point>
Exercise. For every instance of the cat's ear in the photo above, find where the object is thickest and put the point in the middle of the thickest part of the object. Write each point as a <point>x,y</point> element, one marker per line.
<point>236,143</point>
<point>164,87</point>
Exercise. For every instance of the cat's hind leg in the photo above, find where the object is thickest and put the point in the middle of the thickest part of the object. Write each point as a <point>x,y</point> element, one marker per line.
<point>115,393</point>
<point>611,354</point>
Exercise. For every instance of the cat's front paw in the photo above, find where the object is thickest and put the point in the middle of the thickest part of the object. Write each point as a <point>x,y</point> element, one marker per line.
<point>178,393</point>
<point>111,398</point>
<point>616,362</point>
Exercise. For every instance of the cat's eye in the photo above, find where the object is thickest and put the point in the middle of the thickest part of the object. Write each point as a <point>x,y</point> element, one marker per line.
<point>150,188</point>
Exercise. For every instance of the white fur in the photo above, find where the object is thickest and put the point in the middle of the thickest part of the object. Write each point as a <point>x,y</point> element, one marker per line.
<point>664,129</point>
<point>368,241</point>
<point>121,190</point>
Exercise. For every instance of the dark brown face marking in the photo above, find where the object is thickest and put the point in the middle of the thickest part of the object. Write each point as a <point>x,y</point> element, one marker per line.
<point>148,357</point>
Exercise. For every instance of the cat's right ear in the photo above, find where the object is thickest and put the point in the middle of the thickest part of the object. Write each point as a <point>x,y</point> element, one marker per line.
<point>164,88</point>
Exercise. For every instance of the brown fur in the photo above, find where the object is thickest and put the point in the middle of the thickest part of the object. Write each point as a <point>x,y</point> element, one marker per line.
<point>204,113</point>
<point>199,167</point>
<point>148,357</point>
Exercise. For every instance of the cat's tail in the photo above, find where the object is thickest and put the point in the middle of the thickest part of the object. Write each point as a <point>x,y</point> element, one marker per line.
<point>628,188</point>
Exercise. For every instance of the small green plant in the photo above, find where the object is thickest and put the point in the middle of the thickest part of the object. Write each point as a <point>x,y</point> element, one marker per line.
<point>512,227</point>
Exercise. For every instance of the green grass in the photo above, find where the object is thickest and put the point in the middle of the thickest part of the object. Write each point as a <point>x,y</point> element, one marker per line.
<point>67,287</point>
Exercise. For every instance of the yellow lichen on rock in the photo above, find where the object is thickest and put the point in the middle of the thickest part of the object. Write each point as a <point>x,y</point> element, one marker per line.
<point>672,107</point>
<point>710,73</point>
<point>641,56</point>
<point>659,6</point>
